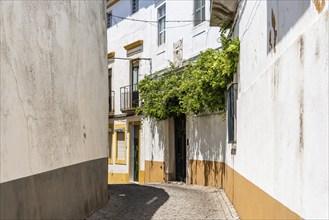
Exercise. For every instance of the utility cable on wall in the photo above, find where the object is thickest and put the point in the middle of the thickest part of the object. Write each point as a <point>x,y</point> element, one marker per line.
<point>150,21</point>
<point>184,25</point>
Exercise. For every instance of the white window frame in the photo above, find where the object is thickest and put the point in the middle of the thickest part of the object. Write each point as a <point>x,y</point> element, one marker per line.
<point>162,18</point>
<point>202,10</point>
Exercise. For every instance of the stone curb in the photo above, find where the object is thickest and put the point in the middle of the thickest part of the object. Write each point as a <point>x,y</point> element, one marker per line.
<point>229,210</point>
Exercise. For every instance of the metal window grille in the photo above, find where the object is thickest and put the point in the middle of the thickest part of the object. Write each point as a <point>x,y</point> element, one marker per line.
<point>231,112</point>
<point>129,98</point>
<point>162,25</point>
<point>109,19</point>
<point>134,6</point>
<point>199,12</point>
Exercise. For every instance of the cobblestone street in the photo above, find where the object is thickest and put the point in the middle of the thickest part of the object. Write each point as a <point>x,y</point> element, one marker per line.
<point>165,201</point>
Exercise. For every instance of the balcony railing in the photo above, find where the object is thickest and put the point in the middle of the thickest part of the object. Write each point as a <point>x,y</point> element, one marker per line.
<point>129,98</point>
<point>111,103</point>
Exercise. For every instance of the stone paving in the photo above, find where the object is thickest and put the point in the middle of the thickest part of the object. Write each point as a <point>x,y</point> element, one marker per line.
<point>165,201</point>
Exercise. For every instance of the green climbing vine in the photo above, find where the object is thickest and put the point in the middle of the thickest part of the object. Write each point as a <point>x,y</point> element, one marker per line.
<point>199,87</point>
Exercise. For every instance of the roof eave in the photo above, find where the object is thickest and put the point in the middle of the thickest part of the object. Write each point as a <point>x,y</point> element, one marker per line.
<point>222,11</point>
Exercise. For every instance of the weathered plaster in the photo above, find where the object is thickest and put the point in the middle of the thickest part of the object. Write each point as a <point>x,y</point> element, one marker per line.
<point>53,85</point>
<point>282,121</point>
<point>157,139</point>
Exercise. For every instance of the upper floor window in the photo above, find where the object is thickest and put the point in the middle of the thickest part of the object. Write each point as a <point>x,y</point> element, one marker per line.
<point>134,72</point>
<point>162,25</point>
<point>109,19</point>
<point>231,95</point>
<point>134,6</point>
<point>199,12</point>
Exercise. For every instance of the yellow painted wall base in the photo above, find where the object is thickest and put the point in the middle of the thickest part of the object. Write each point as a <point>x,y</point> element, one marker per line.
<point>115,178</point>
<point>250,201</point>
<point>154,171</point>
<point>206,173</point>
<point>141,178</point>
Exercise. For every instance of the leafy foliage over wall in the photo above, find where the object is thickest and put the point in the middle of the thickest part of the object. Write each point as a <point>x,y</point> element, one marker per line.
<point>199,87</point>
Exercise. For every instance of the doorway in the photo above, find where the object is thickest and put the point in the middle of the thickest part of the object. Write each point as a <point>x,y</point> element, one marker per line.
<point>134,153</point>
<point>134,82</point>
<point>180,148</point>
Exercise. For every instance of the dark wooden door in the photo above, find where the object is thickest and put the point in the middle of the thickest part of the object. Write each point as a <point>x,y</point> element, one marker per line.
<point>136,153</point>
<point>180,147</point>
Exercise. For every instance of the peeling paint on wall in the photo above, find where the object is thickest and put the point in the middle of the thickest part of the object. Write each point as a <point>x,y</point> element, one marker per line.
<point>301,120</point>
<point>270,41</point>
<point>301,95</point>
<point>48,88</point>
<point>275,80</point>
<point>287,104</point>
<point>301,49</point>
<point>319,5</point>
<point>275,33</point>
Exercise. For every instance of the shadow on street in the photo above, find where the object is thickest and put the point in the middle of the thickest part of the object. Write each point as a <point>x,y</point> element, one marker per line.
<point>131,201</point>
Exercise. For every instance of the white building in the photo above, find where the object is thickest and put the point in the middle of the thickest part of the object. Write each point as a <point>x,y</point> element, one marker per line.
<point>143,36</point>
<point>53,109</point>
<point>280,170</point>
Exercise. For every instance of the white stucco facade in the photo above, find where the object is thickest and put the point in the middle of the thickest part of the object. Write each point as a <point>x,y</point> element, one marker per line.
<point>207,137</point>
<point>53,78</point>
<point>282,107</point>
<point>53,109</point>
<point>157,139</point>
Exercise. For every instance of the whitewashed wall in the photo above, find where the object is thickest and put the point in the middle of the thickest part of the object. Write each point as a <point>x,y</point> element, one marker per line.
<point>156,143</point>
<point>282,127</point>
<point>156,138</point>
<point>53,86</point>
<point>123,32</point>
<point>207,137</point>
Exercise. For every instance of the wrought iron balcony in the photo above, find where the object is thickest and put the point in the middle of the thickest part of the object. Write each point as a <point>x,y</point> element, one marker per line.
<point>111,103</point>
<point>129,98</point>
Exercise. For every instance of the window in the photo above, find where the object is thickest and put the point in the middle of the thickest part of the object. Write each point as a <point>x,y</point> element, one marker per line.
<point>111,93</point>
<point>134,6</point>
<point>110,79</point>
<point>134,72</point>
<point>231,113</point>
<point>109,19</point>
<point>199,12</point>
<point>162,25</point>
<point>110,145</point>
<point>120,147</point>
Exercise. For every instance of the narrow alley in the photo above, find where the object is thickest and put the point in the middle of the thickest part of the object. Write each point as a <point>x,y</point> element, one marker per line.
<point>165,201</point>
<point>164,109</point>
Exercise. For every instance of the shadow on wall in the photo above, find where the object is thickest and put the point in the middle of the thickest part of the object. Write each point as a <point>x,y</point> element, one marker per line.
<point>131,201</point>
<point>207,139</point>
<point>281,18</point>
<point>158,145</point>
<point>158,135</point>
<point>121,13</point>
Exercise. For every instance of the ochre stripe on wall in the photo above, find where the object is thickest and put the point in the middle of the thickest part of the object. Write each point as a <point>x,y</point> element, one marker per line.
<point>141,178</point>
<point>206,173</point>
<point>115,178</point>
<point>250,201</point>
<point>154,171</point>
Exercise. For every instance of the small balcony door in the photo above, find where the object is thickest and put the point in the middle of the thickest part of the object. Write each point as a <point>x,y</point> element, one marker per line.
<point>134,81</point>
